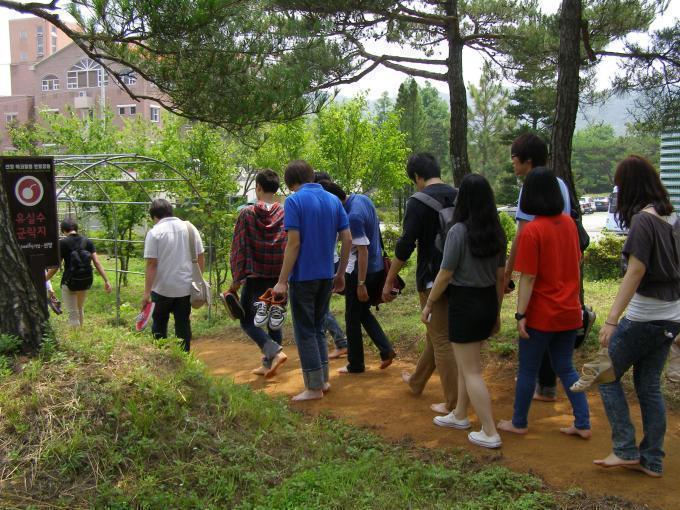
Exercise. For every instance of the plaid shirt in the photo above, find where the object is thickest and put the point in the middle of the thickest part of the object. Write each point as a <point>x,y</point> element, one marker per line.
<point>259,242</point>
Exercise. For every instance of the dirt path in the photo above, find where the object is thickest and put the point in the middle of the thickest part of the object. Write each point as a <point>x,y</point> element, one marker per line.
<point>380,400</point>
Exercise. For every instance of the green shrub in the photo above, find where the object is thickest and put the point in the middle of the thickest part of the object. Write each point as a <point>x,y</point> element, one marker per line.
<point>602,260</point>
<point>390,236</point>
<point>508,225</point>
<point>9,344</point>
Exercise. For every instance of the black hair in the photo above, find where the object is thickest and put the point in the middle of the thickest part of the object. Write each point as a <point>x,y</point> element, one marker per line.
<point>322,176</point>
<point>424,164</point>
<point>530,146</point>
<point>334,189</point>
<point>541,193</point>
<point>476,208</point>
<point>639,185</point>
<point>298,172</point>
<point>160,208</point>
<point>268,180</point>
<point>69,224</point>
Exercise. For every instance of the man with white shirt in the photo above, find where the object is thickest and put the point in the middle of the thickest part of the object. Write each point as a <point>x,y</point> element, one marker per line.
<point>168,274</point>
<point>364,271</point>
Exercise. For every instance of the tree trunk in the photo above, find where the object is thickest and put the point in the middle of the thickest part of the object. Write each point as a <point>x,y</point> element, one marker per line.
<point>568,66</point>
<point>457,101</point>
<point>22,312</point>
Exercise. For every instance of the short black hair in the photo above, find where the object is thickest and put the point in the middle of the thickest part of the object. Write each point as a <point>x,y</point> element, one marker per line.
<point>530,147</point>
<point>322,176</point>
<point>69,224</point>
<point>334,189</point>
<point>424,164</point>
<point>541,193</point>
<point>298,172</point>
<point>160,208</point>
<point>268,180</point>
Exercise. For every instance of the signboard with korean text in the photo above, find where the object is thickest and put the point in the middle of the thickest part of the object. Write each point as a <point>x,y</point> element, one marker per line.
<point>29,185</point>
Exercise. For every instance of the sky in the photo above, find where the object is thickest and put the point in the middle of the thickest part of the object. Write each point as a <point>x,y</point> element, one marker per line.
<point>381,79</point>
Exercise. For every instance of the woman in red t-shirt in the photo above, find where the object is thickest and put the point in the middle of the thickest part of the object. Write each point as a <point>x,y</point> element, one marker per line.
<point>548,307</point>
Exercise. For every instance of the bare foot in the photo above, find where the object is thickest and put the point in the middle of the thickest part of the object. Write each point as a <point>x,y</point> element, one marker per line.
<point>406,376</point>
<point>308,395</point>
<point>338,353</point>
<point>643,469</point>
<point>573,431</point>
<point>277,361</point>
<point>612,460</point>
<point>343,370</point>
<point>259,370</point>
<point>326,387</point>
<point>507,426</point>
<point>387,362</point>
<point>440,408</point>
<point>543,398</point>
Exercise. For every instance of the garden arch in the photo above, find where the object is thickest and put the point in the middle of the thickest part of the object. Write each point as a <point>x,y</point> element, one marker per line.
<point>91,184</point>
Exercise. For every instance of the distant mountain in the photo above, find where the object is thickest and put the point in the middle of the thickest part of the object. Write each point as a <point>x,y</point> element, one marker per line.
<point>616,112</point>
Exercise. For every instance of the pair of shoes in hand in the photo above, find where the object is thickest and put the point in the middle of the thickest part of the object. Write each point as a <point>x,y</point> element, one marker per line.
<point>270,310</point>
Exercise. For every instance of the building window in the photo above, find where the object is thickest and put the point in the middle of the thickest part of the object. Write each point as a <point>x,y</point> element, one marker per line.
<point>53,40</point>
<point>23,35</point>
<point>49,111</point>
<point>86,73</point>
<point>23,56</point>
<point>155,114</point>
<point>128,77</point>
<point>39,41</point>
<point>121,110</point>
<point>11,118</point>
<point>133,110</point>
<point>50,82</point>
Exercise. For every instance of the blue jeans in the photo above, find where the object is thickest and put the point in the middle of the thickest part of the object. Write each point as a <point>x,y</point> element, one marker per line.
<point>268,341</point>
<point>332,326</point>
<point>560,346</point>
<point>644,346</point>
<point>309,303</point>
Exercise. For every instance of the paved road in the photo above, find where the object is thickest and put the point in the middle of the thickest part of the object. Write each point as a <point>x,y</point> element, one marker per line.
<point>593,223</point>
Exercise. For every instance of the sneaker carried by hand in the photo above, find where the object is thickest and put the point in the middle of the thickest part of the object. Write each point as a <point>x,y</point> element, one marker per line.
<point>451,421</point>
<point>277,312</point>
<point>54,304</point>
<point>145,315</point>
<point>599,371</point>
<point>232,304</point>
<point>262,309</point>
<point>482,439</point>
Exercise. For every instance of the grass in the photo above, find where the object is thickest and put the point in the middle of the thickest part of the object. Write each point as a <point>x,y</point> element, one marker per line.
<point>106,419</point>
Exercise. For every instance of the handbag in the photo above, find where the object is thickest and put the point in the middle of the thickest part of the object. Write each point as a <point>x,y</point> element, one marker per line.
<point>200,289</point>
<point>375,289</point>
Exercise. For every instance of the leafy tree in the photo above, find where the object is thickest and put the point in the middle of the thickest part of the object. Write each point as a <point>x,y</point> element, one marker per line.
<point>437,127</point>
<point>412,120</point>
<point>488,123</point>
<point>383,107</point>
<point>362,155</point>
<point>596,152</point>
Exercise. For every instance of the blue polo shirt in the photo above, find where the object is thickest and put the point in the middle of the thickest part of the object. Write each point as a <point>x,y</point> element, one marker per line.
<point>318,216</point>
<point>365,228</point>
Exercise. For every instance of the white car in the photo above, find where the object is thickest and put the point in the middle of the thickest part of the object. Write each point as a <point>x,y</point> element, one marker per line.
<point>587,205</point>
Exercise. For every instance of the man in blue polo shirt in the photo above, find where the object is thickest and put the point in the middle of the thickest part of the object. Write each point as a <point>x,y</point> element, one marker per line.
<point>313,218</point>
<point>365,270</point>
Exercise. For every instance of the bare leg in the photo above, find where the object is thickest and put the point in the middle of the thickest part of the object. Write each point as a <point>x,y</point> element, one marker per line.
<point>468,357</point>
<point>462,402</point>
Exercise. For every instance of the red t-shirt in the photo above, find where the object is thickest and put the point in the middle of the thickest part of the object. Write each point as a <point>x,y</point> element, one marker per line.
<point>548,248</point>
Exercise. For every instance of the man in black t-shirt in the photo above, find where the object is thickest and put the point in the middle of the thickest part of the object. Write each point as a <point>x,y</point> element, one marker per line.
<point>421,223</point>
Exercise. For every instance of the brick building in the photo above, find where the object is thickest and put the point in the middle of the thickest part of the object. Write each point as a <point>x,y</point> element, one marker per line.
<point>51,73</point>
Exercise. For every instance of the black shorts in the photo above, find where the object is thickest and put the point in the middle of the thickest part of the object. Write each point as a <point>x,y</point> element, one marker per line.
<point>472,313</point>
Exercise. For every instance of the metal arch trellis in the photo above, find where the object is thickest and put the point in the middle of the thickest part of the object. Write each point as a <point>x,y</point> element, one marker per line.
<point>83,168</point>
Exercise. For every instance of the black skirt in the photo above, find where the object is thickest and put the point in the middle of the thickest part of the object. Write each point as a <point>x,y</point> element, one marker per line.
<point>472,313</point>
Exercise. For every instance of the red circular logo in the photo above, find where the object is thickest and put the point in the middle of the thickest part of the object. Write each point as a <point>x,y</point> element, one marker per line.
<point>29,191</point>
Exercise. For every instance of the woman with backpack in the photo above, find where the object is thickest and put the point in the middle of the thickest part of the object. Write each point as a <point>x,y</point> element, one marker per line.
<point>472,275</point>
<point>78,253</point>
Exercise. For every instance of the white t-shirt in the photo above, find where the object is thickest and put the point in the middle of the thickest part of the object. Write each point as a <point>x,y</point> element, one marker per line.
<point>357,241</point>
<point>168,242</point>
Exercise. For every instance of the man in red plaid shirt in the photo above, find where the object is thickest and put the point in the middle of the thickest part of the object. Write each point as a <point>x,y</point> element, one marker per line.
<point>256,259</point>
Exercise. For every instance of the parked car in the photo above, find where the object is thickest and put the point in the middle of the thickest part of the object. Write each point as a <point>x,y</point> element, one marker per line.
<point>510,210</point>
<point>587,205</point>
<point>601,204</point>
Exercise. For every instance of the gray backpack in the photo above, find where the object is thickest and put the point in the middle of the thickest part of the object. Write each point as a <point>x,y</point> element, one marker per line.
<point>445,223</point>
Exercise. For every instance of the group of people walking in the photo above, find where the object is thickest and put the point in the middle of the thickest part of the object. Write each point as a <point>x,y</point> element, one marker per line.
<point>287,257</point>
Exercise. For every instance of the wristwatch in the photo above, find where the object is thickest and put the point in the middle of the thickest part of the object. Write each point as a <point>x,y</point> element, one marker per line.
<point>360,283</point>
<point>519,316</point>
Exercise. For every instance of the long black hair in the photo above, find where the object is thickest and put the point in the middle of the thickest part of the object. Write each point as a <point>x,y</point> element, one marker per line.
<point>639,186</point>
<point>476,208</point>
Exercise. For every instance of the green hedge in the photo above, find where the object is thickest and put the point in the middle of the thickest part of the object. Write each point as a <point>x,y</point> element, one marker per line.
<point>602,259</point>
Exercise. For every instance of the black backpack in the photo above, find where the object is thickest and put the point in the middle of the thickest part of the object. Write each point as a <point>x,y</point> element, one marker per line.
<point>445,224</point>
<point>80,268</point>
